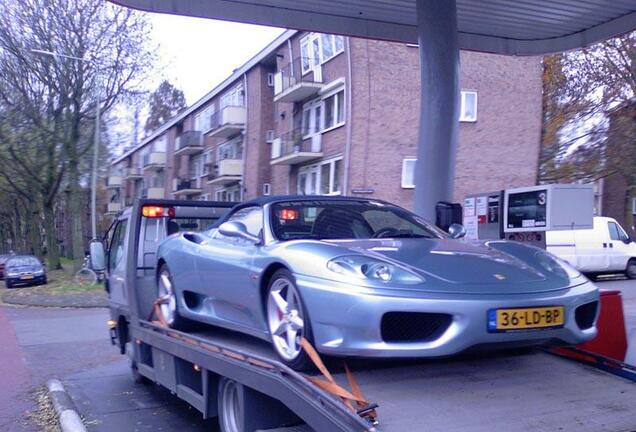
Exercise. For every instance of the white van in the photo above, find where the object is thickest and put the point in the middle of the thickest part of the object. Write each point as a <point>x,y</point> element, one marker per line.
<point>604,249</point>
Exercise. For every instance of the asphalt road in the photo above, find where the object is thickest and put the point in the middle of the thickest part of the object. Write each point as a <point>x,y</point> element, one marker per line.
<point>37,344</point>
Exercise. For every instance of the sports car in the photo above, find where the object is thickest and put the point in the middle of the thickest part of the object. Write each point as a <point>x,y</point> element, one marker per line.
<point>365,278</point>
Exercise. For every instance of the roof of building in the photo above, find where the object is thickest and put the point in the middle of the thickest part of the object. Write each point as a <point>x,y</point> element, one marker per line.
<point>238,72</point>
<point>528,27</point>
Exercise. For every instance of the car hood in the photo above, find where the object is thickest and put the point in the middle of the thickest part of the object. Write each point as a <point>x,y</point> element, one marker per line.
<point>467,266</point>
<point>24,269</point>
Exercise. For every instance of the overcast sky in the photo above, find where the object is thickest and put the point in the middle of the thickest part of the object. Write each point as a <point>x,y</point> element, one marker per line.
<point>200,53</point>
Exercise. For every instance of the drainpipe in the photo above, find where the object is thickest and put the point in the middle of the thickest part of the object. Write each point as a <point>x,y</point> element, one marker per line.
<point>291,117</point>
<point>245,140</point>
<point>349,105</point>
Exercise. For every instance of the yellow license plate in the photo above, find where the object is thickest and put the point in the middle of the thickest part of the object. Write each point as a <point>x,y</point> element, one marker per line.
<point>502,320</point>
<point>26,277</point>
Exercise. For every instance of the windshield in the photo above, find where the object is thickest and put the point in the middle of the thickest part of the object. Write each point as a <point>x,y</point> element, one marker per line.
<point>23,261</point>
<point>340,220</point>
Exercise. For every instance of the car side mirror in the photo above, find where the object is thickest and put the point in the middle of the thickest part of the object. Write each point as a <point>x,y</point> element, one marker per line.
<point>97,256</point>
<point>237,229</point>
<point>456,231</point>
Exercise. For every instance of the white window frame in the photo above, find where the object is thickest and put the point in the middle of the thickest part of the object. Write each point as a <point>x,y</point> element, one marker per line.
<point>195,166</point>
<point>270,79</point>
<point>235,147</point>
<point>462,106</point>
<point>322,104</point>
<point>312,40</point>
<point>317,169</point>
<point>160,145</point>
<point>232,191</point>
<point>267,189</point>
<point>405,162</point>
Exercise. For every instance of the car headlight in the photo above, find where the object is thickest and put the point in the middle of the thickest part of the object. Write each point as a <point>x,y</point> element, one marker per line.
<point>12,274</point>
<point>363,267</point>
<point>557,266</point>
<point>38,272</point>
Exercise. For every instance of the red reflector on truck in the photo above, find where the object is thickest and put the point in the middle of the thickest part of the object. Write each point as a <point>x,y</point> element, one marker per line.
<point>151,211</point>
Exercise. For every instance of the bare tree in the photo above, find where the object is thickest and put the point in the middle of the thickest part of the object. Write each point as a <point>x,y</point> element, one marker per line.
<point>55,98</point>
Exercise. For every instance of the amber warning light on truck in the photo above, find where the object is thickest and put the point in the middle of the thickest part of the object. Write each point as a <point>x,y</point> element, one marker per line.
<point>151,211</point>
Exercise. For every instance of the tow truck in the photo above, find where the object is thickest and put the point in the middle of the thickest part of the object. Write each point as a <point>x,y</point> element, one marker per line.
<point>239,380</point>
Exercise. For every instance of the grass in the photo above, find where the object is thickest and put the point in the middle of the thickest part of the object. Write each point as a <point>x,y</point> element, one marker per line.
<point>43,416</point>
<point>62,282</point>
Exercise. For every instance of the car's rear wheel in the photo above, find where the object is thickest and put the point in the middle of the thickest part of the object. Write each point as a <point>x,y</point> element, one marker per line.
<point>8,284</point>
<point>166,292</point>
<point>630,271</point>
<point>288,320</point>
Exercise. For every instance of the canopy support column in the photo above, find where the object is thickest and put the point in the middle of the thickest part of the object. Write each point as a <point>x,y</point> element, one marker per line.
<point>439,109</point>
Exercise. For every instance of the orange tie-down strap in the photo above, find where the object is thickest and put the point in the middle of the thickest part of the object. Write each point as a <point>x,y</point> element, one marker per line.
<point>365,409</point>
<point>156,312</point>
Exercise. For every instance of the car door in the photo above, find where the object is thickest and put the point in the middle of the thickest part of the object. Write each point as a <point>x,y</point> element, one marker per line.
<point>225,266</point>
<point>591,248</point>
<point>620,249</point>
<point>116,265</point>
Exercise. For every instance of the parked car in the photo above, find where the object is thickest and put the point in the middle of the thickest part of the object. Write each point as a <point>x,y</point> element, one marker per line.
<point>3,260</point>
<point>24,270</point>
<point>604,249</point>
<point>360,277</point>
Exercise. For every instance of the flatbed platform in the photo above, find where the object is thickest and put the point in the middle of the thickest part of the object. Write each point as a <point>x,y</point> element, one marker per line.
<point>524,389</point>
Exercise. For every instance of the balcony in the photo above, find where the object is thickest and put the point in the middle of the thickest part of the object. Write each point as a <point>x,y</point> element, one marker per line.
<point>186,187</point>
<point>291,148</point>
<point>133,173</point>
<point>227,122</point>
<point>225,172</point>
<point>190,142</point>
<point>154,161</point>
<point>114,182</point>
<point>291,85</point>
<point>154,193</point>
<point>113,208</point>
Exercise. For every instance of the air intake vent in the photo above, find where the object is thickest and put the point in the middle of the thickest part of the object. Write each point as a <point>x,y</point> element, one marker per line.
<point>585,315</point>
<point>414,326</point>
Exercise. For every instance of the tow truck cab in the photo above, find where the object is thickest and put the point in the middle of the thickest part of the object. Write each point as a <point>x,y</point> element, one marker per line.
<point>157,220</point>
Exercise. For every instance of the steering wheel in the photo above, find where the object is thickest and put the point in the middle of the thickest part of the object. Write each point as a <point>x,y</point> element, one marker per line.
<point>385,232</point>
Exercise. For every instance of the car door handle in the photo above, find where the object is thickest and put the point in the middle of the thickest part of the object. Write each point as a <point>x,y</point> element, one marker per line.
<point>611,245</point>
<point>604,245</point>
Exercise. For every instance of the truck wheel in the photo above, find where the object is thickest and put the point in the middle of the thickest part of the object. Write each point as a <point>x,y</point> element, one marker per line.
<point>166,290</point>
<point>136,376</point>
<point>288,320</point>
<point>631,268</point>
<point>231,408</point>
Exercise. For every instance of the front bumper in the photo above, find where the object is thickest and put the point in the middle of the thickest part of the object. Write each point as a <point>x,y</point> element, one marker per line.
<point>15,281</point>
<point>346,320</point>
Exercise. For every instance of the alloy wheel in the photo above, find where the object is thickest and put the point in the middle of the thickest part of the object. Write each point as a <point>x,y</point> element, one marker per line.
<point>168,304</point>
<point>285,318</point>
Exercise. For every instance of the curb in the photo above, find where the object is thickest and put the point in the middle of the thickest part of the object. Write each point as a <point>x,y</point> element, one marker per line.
<point>69,419</point>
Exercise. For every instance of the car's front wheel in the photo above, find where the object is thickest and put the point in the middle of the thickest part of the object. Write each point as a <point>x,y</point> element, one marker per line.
<point>288,320</point>
<point>8,284</point>
<point>167,294</point>
<point>630,271</point>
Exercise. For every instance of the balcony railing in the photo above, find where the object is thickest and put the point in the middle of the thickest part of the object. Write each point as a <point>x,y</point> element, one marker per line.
<point>154,160</point>
<point>291,85</point>
<point>292,148</point>
<point>114,182</point>
<point>154,193</point>
<point>133,173</point>
<point>189,142</point>
<point>188,186</point>
<point>225,171</point>
<point>227,122</point>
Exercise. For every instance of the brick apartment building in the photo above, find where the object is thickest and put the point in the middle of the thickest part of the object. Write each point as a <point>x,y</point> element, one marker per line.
<point>323,114</point>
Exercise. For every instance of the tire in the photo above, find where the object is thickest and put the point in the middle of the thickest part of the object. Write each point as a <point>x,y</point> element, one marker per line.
<point>8,284</point>
<point>169,310</point>
<point>630,271</point>
<point>136,376</point>
<point>86,276</point>
<point>288,324</point>
<point>230,405</point>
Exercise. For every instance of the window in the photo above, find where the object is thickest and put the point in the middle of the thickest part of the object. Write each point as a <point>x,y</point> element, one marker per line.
<point>232,149</point>
<point>230,194</point>
<point>320,219</point>
<point>320,179</point>
<point>267,189</point>
<point>233,97</point>
<point>270,79</point>
<point>312,113</point>
<point>160,144</point>
<point>468,106</point>
<point>158,180</point>
<point>195,166</point>
<point>616,232</point>
<point>408,173</point>
<point>334,110</point>
<point>116,250</point>
<point>317,48</point>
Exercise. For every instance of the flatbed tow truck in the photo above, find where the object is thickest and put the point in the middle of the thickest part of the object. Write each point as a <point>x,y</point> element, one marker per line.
<point>238,378</point>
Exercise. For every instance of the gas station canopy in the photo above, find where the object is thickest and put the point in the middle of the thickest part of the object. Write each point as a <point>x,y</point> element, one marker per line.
<point>522,27</point>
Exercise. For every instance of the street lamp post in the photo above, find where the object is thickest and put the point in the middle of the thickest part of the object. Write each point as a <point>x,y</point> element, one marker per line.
<point>95,140</point>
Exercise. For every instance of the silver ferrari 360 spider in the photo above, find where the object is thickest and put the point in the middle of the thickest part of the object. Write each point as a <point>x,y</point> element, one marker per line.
<point>362,277</point>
